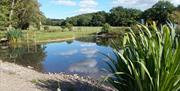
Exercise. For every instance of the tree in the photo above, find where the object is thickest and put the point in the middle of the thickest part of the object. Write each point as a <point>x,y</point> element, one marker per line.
<point>53,22</point>
<point>106,28</point>
<point>120,16</point>
<point>99,18</point>
<point>20,13</point>
<point>4,11</point>
<point>160,12</point>
<point>176,15</point>
<point>28,14</point>
<point>69,26</point>
<point>84,21</point>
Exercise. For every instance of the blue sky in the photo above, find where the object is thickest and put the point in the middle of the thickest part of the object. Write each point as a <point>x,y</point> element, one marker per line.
<point>61,9</point>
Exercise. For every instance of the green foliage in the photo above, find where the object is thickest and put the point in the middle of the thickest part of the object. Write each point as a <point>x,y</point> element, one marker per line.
<point>120,16</point>
<point>14,35</point>
<point>106,28</point>
<point>149,60</point>
<point>117,17</point>
<point>54,22</point>
<point>3,14</point>
<point>69,26</point>
<point>20,14</point>
<point>99,18</point>
<point>52,28</point>
<point>46,28</point>
<point>28,14</point>
<point>160,12</point>
<point>81,20</point>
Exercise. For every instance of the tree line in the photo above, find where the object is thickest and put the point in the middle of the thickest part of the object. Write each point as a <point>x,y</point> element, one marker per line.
<point>22,14</point>
<point>161,12</point>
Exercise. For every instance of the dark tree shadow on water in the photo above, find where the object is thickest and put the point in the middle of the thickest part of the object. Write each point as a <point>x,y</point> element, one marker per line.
<point>52,85</point>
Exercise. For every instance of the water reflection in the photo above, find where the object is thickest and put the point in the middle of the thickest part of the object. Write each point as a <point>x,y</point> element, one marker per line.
<point>81,56</point>
<point>101,41</point>
<point>89,52</point>
<point>86,66</point>
<point>24,55</point>
<point>67,53</point>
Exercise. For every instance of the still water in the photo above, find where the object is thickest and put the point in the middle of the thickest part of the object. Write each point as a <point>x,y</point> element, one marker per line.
<point>81,56</point>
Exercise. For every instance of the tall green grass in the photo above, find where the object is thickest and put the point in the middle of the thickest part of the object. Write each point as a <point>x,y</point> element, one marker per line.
<point>14,35</point>
<point>149,60</point>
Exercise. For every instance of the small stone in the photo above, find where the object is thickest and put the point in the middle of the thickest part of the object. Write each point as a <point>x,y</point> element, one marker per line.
<point>30,67</point>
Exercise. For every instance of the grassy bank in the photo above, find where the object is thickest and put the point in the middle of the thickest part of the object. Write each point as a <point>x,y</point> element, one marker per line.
<point>56,33</point>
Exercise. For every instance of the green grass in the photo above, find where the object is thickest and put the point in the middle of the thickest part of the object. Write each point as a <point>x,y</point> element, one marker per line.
<point>57,33</point>
<point>76,33</point>
<point>43,36</point>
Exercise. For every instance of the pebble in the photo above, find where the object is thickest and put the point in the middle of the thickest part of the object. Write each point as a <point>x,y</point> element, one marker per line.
<point>30,67</point>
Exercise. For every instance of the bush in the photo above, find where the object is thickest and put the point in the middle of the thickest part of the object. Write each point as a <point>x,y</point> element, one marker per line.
<point>106,28</point>
<point>52,28</point>
<point>46,28</point>
<point>69,26</point>
<point>148,61</point>
<point>65,30</point>
<point>14,35</point>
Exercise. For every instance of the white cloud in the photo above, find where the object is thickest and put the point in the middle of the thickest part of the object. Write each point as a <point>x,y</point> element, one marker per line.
<point>88,3</point>
<point>86,10</point>
<point>89,52</point>
<point>67,53</point>
<point>66,2</point>
<point>87,6</point>
<point>138,4</point>
<point>83,44</point>
<point>86,66</point>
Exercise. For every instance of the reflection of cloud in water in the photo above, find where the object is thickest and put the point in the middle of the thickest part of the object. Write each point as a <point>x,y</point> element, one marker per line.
<point>87,66</point>
<point>89,52</point>
<point>67,53</point>
<point>87,44</point>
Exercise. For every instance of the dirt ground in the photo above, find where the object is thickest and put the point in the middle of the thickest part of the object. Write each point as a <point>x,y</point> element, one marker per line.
<point>17,78</point>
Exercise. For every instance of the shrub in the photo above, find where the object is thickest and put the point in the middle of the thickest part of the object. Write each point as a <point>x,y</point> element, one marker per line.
<point>106,28</point>
<point>69,26</point>
<point>46,28</point>
<point>14,35</point>
<point>149,61</point>
<point>51,29</point>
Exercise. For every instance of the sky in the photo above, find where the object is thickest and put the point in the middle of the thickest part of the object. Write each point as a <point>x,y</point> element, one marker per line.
<point>61,9</point>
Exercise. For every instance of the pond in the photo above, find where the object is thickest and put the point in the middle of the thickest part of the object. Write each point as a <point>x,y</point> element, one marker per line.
<point>83,56</point>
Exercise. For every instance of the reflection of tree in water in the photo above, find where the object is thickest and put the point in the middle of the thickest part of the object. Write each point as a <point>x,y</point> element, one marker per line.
<point>109,41</point>
<point>87,39</point>
<point>102,41</point>
<point>24,55</point>
<point>69,41</point>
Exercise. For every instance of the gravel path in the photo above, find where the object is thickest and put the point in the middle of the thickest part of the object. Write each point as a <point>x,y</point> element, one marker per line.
<point>16,78</point>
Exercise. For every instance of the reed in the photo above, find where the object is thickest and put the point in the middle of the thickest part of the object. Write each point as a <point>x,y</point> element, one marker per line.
<point>148,61</point>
